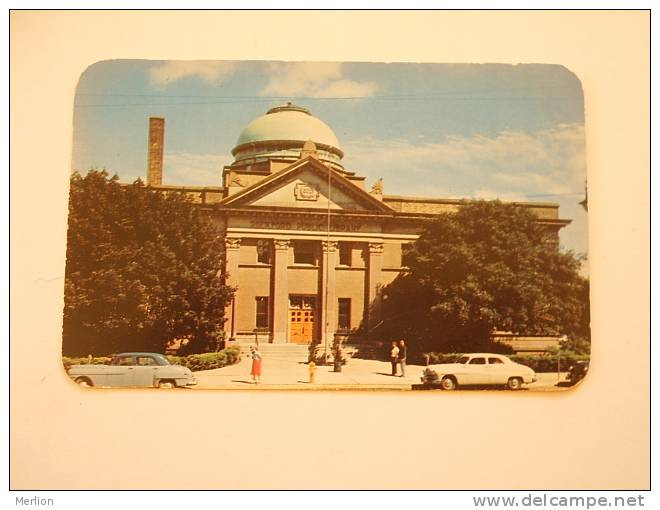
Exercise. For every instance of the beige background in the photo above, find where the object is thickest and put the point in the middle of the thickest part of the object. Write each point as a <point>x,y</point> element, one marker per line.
<point>594,437</point>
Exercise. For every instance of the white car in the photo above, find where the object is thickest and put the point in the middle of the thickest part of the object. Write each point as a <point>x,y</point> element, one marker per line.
<point>480,368</point>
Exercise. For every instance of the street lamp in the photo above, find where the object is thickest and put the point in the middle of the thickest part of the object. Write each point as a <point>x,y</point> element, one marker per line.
<point>562,342</point>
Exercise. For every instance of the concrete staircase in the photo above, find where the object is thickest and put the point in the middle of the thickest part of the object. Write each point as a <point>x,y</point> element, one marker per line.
<point>300,352</point>
<point>289,352</point>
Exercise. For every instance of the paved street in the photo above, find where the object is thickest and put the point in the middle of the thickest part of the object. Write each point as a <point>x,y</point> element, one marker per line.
<point>357,374</point>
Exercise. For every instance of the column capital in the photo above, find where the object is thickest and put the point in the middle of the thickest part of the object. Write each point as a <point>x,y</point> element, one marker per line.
<point>375,248</point>
<point>281,244</point>
<point>232,243</point>
<point>330,245</point>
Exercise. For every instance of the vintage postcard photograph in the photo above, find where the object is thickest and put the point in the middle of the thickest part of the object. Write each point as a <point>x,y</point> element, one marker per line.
<point>326,226</point>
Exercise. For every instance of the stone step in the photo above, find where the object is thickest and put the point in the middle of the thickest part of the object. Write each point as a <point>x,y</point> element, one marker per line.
<point>277,347</point>
<point>296,352</point>
<point>300,352</point>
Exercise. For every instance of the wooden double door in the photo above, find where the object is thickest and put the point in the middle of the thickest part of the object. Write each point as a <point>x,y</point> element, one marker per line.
<point>302,312</point>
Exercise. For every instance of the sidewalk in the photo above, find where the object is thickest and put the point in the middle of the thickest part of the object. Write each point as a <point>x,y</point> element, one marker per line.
<point>289,374</point>
<point>357,374</point>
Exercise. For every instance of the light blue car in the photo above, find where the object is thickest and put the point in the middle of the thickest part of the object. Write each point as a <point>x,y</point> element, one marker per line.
<point>134,369</point>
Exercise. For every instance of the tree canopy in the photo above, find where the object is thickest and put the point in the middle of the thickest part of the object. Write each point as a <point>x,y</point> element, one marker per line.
<point>143,268</point>
<point>489,266</point>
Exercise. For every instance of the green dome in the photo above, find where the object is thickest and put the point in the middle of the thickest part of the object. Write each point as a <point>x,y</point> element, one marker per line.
<point>290,123</point>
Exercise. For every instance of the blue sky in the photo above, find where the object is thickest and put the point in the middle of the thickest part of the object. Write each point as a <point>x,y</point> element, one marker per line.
<point>514,132</point>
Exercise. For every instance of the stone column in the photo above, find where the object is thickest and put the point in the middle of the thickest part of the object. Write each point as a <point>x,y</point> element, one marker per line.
<point>328,322</point>
<point>280,292</point>
<point>232,249</point>
<point>373,304</point>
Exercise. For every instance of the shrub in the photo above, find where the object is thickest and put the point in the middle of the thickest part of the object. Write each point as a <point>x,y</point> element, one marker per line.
<point>194,362</point>
<point>537,362</point>
<point>540,363</point>
<point>430,376</point>
<point>435,358</point>
<point>69,362</point>
<point>209,360</point>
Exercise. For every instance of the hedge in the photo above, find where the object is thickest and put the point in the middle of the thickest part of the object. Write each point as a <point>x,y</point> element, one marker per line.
<point>101,360</point>
<point>209,360</point>
<point>538,363</point>
<point>194,362</point>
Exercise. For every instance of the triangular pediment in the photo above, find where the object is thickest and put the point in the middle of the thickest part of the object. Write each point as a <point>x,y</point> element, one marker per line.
<point>307,184</point>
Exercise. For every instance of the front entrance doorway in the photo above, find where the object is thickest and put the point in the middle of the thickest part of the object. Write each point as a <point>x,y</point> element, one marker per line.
<point>301,318</point>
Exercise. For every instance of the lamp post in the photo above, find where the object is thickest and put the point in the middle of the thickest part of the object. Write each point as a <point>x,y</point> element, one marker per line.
<point>562,342</point>
<point>327,272</point>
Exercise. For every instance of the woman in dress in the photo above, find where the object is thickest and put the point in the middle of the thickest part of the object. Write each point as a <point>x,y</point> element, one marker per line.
<point>256,364</point>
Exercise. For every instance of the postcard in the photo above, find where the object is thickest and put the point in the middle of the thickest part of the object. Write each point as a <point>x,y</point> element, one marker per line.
<point>327,225</point>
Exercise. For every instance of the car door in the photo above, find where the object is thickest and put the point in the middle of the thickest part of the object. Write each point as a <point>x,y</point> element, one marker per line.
<point>475,371</point>
<point>144,371</point>
<point>498,370</point>
<point>124,372</point>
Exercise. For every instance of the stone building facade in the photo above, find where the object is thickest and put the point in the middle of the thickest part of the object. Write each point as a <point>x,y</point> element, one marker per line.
<point>308,246</point>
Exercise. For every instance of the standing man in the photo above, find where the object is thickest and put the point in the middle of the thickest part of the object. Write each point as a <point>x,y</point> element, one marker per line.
<point>394,356</point>
<point>403,350</point>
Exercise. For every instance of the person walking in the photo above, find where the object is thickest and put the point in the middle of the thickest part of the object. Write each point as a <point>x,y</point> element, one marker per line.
<point>403,351</point>
<point>256,364</point>
<point>394,356</point>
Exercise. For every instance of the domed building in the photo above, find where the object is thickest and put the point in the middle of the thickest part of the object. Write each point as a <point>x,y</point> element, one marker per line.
<point>309,247</point>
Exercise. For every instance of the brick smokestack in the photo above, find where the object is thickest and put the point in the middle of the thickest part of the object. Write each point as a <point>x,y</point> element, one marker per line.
<point>156,142</point>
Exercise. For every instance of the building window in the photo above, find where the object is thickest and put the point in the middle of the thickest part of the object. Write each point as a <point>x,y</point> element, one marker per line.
<point>262,312</point>
<point>345,254</point>
<point>263,251</point>
<point>405,249</point>
<point>305,252</point>
<point>344,314</point>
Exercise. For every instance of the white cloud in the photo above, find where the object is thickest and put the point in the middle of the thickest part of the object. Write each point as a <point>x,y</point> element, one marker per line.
<point>162,75</point>
<point>194,169</point>
<point>545,166</point>
<point>547,162</point>
<point>314,79</point>
<point>347,88</point>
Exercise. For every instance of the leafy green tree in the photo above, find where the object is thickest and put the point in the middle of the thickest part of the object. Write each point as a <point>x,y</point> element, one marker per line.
<point>489,266</point>
<point>142,268</point>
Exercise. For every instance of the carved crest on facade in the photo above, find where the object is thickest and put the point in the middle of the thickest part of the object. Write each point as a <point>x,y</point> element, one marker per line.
<point>306,192</point>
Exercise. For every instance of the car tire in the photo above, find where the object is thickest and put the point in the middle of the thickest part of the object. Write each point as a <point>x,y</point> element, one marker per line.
<point>448,383</point>
<point>84,382</point>
<point>166,384</point>
<point>514,383</point>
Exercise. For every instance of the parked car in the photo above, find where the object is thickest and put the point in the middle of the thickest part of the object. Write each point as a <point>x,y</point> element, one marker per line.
<point>577,372</point>
<point>134,369</point>
<point>479,369</point>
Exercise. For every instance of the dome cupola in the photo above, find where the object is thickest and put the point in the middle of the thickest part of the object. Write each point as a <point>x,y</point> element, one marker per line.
<point>281,134</point>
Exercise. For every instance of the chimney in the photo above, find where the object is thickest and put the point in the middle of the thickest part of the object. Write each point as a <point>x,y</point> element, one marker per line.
<point>155,163</point>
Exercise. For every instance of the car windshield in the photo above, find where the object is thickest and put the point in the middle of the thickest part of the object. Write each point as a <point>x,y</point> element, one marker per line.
<point>161,360</point>
<point>462,360</point>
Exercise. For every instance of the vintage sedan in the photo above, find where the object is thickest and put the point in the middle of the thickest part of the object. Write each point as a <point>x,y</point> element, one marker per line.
<point>134,369</point>
<point>480,369</point>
